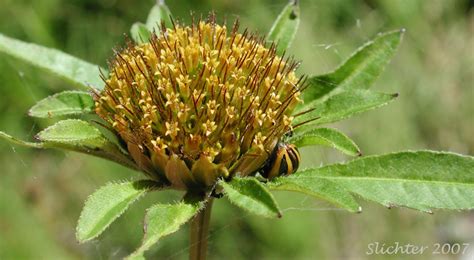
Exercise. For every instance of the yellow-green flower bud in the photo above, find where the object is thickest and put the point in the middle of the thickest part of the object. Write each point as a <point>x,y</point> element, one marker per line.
<point>198,103</point>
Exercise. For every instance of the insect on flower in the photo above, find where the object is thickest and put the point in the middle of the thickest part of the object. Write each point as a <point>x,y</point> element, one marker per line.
<point>203,109</point>
<point>284,160</point>
<point>198,103</point>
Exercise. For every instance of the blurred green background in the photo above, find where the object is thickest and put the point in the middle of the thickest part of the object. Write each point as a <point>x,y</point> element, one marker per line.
<point>42,192</point>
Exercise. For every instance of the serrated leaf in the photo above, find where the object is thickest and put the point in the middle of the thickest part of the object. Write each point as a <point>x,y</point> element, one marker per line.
<point>318,187</point>
<point>63,104</point>
<point>140,33</point>
<point>359,71</point>
<point>420,180</point>
<point>342,106</point>
<point>328,137</point>
<point>249,194</point>
<point>106,204</point>
<point>159,13</point>
<point>75,70</point>
<point>164,219</point>
<point>284,28</point>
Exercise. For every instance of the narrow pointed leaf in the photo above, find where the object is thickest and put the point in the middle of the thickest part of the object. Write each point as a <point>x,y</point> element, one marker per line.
<point>164,219</point>
<point>140,33</point>
<point>318,187</point>
<point>249,194</point>
<point>159,13</point>
<point>327,137</point>
<point>342,106</point>
<point>107,150</point>
<point>63,104</point>
<point>75,70</point>
<point>107,204</point>
<point>360,70</point>
<point>17,141</point>
<point>284,28</point>
<point>421,180</point>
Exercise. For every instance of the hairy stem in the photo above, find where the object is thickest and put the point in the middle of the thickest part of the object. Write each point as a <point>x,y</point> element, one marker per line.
<point>199,233</point>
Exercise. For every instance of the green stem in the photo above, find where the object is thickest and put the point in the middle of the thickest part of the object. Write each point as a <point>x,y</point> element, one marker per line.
<point>199,233</point>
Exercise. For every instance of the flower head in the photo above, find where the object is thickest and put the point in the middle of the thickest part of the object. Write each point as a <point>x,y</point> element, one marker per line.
<point>197,103</point>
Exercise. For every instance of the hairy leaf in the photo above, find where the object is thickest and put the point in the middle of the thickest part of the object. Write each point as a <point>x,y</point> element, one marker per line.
<point>81,136</point>
<point>327,137</point>
<point>107,204</point>
<point>285,26</point>
<point>75,70</point>
<point>249,194</point>
<point>360,70</point>
<point>318,187</point>
<point>73,132</point>
<point>63,104</point>
<point>159,13</point>
<point>341,106</point>
<point>140,33</point>
<point>164,219</point>
<point>420,180</point>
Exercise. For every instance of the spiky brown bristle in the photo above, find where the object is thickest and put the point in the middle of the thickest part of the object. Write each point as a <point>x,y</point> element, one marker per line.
<point>199,93</point>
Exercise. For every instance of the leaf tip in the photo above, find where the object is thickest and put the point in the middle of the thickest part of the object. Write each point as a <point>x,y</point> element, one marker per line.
<point>80,237</point>
<point>37,136</point>
<point>400,33</point>
<point>295,3</point>
<point>30,112</point>
<point>359,210</point>
<point>395,95</point>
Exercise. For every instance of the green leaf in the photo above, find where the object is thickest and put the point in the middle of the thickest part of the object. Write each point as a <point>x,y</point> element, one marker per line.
<point>67,135</point>
<point>73,132</point>
<point>249,194</point>
<point>164,219</point>
<point>420,180</point>
<point>360,70</point>
<point>106,204</point>
<point>78,72</point>
<point>81,136</point>
<point>16,141</point>
<point>327,137</point>
<point>317,187</point>
<point>63,104</point>
<point>342,106</point>
<point>159,13</point>
<point>140,33</point>
<point>285,26</point>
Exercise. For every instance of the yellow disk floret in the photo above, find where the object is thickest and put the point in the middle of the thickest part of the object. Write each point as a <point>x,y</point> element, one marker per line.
<point>198,102</point>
